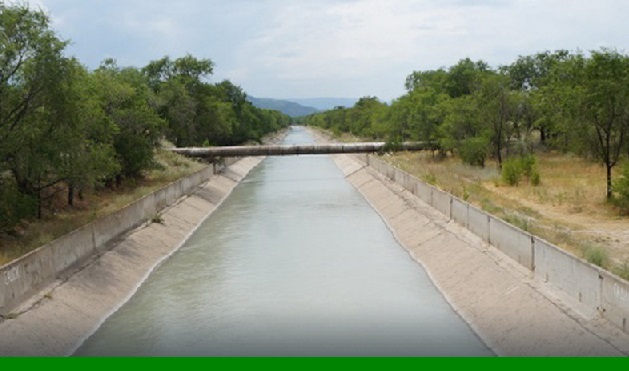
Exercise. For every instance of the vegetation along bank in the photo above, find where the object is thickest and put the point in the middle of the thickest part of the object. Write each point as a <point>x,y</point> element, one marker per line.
<point>73,140</point>
<point>542,142</point>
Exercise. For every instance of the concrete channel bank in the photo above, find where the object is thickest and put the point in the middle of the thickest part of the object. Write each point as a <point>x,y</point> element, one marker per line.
<point>523,296</point>
<point>504,299</point>
<point>52,299</point>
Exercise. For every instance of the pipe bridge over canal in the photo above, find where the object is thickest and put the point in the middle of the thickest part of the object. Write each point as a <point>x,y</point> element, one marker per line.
<point>300,149</point>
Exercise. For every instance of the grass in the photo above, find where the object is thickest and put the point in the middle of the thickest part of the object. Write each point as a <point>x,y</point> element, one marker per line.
<point>622,270</point>
<point>596,255</point>
<point>63,219</point>
<point>568,207</point>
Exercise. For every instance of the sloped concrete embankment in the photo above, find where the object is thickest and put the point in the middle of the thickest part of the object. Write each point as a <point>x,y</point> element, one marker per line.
<point>55,297</point>
<point>523,296</point>
<point>56,319</point>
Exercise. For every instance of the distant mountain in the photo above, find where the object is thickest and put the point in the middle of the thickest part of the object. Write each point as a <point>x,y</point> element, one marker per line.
<point>324,104</point>
<point>289,108</point>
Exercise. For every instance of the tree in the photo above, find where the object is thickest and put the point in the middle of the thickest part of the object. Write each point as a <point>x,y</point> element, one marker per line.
<point>124,97</point>
<point>180,93</point>
<point>36,83</point>
<point>463,130</point>
<point>90,157</point>
<point>465,77</point>
<point>427,79</point>
<point>531,76</point>
<point>241,123</point>
<point>362,115</point>
<point>187,69</point>
<point>495,102</point>
<point>198,112</point>
<point>601,102</point>
<point>418,115</point>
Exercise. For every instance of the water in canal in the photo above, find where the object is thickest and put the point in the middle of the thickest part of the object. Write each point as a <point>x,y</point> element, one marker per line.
<point>294,263</point>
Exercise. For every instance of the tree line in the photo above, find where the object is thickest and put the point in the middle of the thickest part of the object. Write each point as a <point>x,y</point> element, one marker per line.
<point>62,124</point>
<point>559,100</point>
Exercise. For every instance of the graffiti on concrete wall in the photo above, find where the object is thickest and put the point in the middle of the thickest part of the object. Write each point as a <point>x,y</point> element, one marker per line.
<point>11,275</point>
<point>621,293</point>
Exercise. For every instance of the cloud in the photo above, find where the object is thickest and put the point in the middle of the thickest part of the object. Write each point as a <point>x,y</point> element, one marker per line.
<point>279,48</point>
<point>316,44</point>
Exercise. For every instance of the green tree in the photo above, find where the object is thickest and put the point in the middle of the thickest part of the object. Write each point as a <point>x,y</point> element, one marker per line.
<point>465,77</point>
<point>531,76</point>
<point>435,79</point>
<point>125,98</point>
<point>463,130</point>
<point>496,106</point>
<point>600,100</point>
<point>91,157</point>
<point>198,112</point>
<point>181,95</point>
<point>361,117</point>
<point>38,133</point>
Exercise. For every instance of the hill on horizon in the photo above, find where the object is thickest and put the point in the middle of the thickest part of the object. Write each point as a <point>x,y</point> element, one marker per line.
<point>287,107</point>
<point>324,104</point>
<point>301,106</point>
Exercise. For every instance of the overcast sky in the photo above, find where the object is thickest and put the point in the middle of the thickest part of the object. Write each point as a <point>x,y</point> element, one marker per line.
<point>332,48</point>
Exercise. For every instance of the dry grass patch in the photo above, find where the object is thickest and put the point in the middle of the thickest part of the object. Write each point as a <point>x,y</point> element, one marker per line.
<point>568,208</point>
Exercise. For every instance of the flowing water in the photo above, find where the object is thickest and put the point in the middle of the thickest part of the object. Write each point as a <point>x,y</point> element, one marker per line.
<point>294,263</point>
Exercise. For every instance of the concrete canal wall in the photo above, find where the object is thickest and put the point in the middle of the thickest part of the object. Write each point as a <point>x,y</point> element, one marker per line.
<point>523,295</point>
<point>597,289</point>
<point>58,295</point>
<point>25,276</point>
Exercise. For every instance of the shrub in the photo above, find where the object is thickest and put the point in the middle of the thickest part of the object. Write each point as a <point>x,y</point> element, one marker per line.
<point>514,169</point>
<point>512,172</point>
<point>622,270</point>
<point>596,255</point>
<point>535,178</point>
<point>621,187</point>
<point>14,206</point>
<point>473,151</point>
<point>528,165</point>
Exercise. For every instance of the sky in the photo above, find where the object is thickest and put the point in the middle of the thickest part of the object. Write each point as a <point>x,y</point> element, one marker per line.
<point>331,48</point>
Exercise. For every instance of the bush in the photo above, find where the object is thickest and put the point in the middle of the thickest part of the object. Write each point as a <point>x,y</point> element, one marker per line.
<point>528,165</point>
<point>14,206</point>
<point>621,187</point>
<point>514,169</point>
<point>622,270</point>
<point>596,255</point>
<point>512,172</point>
<point>473,151</point>
<point>535,178</point>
